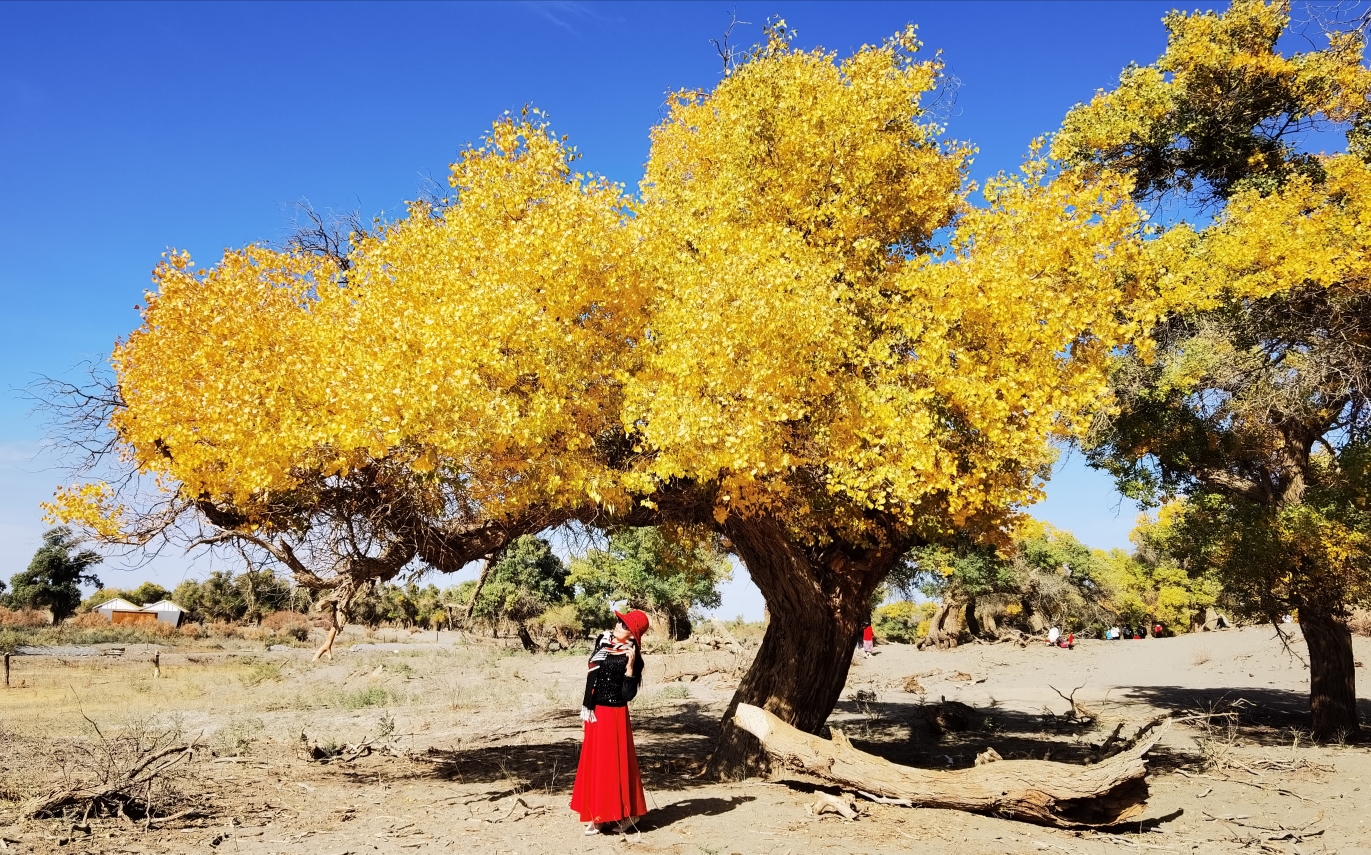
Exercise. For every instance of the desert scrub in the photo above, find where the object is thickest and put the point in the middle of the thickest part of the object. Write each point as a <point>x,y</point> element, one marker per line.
<point>371,696</point>
<point>237,736</point>
<point>676,692</point>
<point>261,672</point>
<point>50,636</point>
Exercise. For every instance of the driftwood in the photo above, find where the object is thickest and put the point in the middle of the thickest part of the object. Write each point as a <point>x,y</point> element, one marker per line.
<point>1057,794</point>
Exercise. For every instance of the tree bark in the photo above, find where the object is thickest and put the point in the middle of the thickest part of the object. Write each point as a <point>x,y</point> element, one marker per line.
<point>945,628</point>
<point>1057,794</point>
<point>486,566</point>
<point>817,599</point>
<point>1332,674</point>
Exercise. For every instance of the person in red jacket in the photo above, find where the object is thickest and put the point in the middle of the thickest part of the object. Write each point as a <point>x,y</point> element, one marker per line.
<point>608,793</point>
<point>868,639</point>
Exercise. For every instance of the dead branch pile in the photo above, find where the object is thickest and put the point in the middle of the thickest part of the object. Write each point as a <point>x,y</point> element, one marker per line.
<point>312,749</point>
<point>120,780</point>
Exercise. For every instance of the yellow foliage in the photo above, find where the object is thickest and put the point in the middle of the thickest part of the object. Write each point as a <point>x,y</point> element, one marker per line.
<point>90,506</point>
<point>768,319</point>
<point>1220,74</point>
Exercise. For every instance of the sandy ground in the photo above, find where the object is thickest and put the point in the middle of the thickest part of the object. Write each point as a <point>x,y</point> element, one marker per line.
<point>475,748</point>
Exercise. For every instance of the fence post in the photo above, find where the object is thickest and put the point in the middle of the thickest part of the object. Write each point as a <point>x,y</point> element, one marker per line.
<point>7,670</point>
<point>156,665</point>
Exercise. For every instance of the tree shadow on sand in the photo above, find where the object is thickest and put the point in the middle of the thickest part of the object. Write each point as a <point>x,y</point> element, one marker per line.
<point>901,731</point>
<point>1266,716</point>
<point>672,746</point>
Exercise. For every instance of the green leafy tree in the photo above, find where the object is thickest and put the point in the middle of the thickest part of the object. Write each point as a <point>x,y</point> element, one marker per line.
<point>1158,583</point>
<point>1252,399</point>
<point>148,592</point>
<point>54,577</point>
<point>262,592</point>
<point>903,621</point>
<point>428,608</point>
<point>526,581</point>
<point>220,598</point>
<point>668,572</point>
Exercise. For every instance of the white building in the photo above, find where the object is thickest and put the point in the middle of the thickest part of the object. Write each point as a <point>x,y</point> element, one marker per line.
<point>167,611</point>
<point>118,604</point>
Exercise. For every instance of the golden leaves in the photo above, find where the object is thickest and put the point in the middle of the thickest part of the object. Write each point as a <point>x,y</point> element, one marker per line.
<point>90,506</point>
<point>768,320</point>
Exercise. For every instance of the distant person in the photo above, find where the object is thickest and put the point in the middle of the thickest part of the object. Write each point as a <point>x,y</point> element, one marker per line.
<point>608,792</point>
<point>1068,642</point>
<point>1158,631</point>
<point>1116,634</point>
<point>868,639</point>
<point>1137,632</point>
<point>1052,635</point>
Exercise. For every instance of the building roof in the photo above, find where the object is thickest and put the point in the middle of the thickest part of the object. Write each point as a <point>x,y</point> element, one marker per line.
<point>163,606</point>
<point>118,604</point>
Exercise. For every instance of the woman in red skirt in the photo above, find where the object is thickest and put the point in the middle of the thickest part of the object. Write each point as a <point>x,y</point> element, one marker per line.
<point>608,790</point>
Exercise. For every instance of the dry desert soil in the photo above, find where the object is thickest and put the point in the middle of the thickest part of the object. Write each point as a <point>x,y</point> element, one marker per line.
<point>443,743</point>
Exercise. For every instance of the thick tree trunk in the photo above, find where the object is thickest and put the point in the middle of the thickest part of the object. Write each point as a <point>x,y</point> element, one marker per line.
<point>973,623</point>
<point>816,599</point>
<point>1332,675</point>
<point>945,629</point>
<point>1058,794</point>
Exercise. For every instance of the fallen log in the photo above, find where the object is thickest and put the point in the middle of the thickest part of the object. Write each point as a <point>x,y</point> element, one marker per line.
<point>1057,794</point>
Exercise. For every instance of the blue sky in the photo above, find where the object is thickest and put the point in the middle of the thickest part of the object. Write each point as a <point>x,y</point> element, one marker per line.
<point>127,129</point>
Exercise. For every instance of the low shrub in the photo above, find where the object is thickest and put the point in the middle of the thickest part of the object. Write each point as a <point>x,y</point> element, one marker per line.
<point>262,672</point>
<point>225,629</point>
<point>371,696</point>
<point>562,622</point>
<point>162,629</point>
<point>192,630</point>
<point>89,620</point>
<point>10,640</point>
<point>24,618</point>
<point>287,625</point>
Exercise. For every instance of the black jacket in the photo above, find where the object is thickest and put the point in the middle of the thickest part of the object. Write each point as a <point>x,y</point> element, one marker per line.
<point>607,683</point>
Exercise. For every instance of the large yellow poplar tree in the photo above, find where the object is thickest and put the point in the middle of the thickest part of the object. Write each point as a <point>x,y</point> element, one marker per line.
<point>764,341</point>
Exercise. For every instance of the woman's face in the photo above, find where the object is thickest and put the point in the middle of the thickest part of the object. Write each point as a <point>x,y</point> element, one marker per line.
<point>621,632</point>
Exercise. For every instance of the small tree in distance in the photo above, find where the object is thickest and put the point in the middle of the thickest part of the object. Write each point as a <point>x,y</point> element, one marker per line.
<point>54,577</point>
<point>667,572</point>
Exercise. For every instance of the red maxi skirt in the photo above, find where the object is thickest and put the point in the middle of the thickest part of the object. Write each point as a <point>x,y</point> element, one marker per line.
<point>608,786</point>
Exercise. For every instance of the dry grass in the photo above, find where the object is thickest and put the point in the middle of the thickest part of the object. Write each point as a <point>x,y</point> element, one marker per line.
<point>1360,624</point>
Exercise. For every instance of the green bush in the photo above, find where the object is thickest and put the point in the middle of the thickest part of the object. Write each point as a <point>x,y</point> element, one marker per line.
<point>371,696</point>
<point>903,622</point>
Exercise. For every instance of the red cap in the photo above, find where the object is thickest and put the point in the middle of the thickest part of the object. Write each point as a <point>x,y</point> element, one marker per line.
<point>636,622</point>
